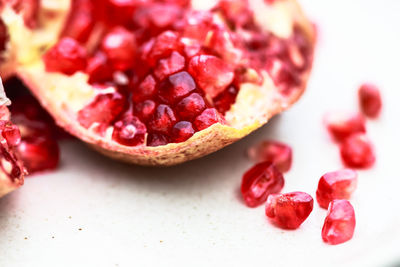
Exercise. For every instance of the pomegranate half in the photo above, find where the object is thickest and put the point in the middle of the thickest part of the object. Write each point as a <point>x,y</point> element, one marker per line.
<point>163,82</point>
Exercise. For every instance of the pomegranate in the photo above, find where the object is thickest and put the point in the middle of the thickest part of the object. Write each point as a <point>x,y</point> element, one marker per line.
<point>336,185</point>
<point>194,79</point>
<point>11,168</point>
<point>276,152</point>
<point>357,151</point>
<point>341,125</point>
<point>289,210</point>
<point>370,100</point>
<point>339,223</point>
<point>259,182</point>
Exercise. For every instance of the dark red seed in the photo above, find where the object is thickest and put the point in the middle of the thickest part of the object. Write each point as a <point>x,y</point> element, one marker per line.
<point>145,90</point>
<point>260,181</point>
<point>224,100</point>
<point>157,139</point>
<point>163,119</point>
<point>98,69</point>
<point>176,86</point>
<point>191,106</point>
<point>207,118</point>
<point>370,100</point>
<point>163,46</point>
<point>357,151</point>
<point>182,131</point>
<point>144,110</point>
<point>170,65</point>
<point>10,132</point>
<point>129,132</point>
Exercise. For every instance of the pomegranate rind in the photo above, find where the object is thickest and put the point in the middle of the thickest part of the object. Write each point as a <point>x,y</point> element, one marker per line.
<point>63,96</point>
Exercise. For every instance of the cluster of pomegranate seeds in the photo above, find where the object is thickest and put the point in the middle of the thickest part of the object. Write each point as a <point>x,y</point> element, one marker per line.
<point>278,153</point>
<point>38,146</point>
<point>336,185</point>
<point>289,210</point>
<point>259,182</point>
<point>177,70</point>
<point>340,222</point>
<point>370,100</point>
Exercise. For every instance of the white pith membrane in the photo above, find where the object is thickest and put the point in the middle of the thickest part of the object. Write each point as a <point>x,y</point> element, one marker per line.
<point>63,96</point>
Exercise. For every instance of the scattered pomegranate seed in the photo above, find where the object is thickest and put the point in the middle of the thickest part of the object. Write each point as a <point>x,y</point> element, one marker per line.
<point>191,106</point>
<point>38,153</point>
<point>207,118</point>
<point>260,181</point>
<point>129,132</point>
<point>67,56</point>
<point>342,125</point>
<point>278,153</point>
<point>119,45</point>
<point>357,151</point>
<point>370,100</point>
<point>104,109</point>
<point>336,185</point>
<point>163,119</point>
<point>339,223</point>
<point>157,139</point>
<point>182,131</point>
<point>290,210</point>
<point>212,74</point>
<point>176,86</point>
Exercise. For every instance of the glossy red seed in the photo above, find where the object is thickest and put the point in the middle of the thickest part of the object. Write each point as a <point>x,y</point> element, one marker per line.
<point>103,109</point>
<point>163,46</point>
<point>357,151</point>
<point>370,100</point>
<point>98,69</point>
<point>10,132</point>
<point>81,21</point>
<point>342,125</point>
<point>176,86</point>
<point>181,131</point>
<point>119,45</point>
<point>129,131</point>
<point>290,210</point>
<point>157,139</point>
<point>144,110</point>
<point>191,106</point>
<point>224,100</point>
<point>170,65</point>
<point>211,73</point>
<point>340,222</point>
<point>336,185</point>
<point>276,152</point>
<point>207,118</point>
<point>163,119</point>
<point>67,56</point>
<point>39,153</point>
<point>260,181</point>
<point>145,90</point>
<point>121,11</point>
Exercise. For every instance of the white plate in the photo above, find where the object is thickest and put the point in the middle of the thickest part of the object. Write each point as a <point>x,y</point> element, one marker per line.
<point>191,215</point>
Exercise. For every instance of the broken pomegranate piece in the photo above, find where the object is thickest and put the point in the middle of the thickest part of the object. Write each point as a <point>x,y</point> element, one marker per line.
<point>370,100</point>
<point>289,210</point>
<point>342,125</point>
<point>278,153</point>
<point>340,222</point>
<point>260,181</point>
<point>357,151</point>
<point>336,185</point>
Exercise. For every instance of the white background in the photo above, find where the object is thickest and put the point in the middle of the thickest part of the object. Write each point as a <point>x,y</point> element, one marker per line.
<point>192,214</point>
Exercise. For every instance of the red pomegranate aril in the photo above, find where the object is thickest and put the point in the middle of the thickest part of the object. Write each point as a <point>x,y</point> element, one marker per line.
<point>103,109</point>
<point>342,125</point>
<point>224,100</point>
<point>289,210</point>
<point>357,151</point>
<point>67,56</point>
<point>10,132</point>
<point>121,11</point>
<point>144,110</point>
<point>164,44</point>
<point>81,21</point>
<point>129,132</point>
<point>163,119</point>
<point>191,106</point>
<point>157,139</point>
<point>39,153</point>
<point>207,118</point>
<point>98,68</point>
<point>340,222</point>
<point>212,74</point>
<point>336,185</point>
<point>259,182</point>
<point>182,131</point>
<point>176,86</point>
<point>119,45</point>
<point>370,100</point>
<point>145,90</point>
<point>170,65</point>
<point>278,153</point>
